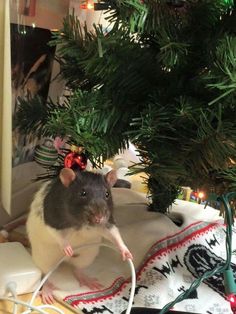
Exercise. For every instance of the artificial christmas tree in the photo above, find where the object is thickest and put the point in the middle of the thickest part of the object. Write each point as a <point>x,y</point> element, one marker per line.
<point>163,77</point>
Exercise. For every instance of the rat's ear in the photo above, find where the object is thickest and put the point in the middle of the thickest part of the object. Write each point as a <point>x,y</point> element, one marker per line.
<point>111,177</point>
<point>66,176</point>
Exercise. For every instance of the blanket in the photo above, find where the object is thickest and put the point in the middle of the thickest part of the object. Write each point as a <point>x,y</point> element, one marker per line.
<point>167,259</point>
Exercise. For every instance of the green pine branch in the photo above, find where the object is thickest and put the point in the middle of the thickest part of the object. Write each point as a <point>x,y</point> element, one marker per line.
<point>162,77</point>
<point>32,116</point>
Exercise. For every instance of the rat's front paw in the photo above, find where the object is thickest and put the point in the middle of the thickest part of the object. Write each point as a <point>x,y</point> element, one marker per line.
<point>46,294</point>
<point>68,250</point>
<point>125,253</point>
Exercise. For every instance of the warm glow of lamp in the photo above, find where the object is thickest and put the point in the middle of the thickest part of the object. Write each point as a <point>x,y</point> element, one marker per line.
<point>90,6</point>
<point>87,6</point>
<point>201,194</point>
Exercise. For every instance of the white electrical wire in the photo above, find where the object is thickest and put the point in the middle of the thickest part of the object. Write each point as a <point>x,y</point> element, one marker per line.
<point>32,307</point>
<point>133,274</point>
<point>133,285</point>
<point>11,287</point>
<point>40,308</point>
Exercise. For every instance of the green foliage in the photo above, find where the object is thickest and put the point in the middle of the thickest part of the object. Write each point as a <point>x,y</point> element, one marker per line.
<point>163,77</point>
<point>223,74</point>
<point>229,176</point>
<point>32,116</point>
<point>86,121</point>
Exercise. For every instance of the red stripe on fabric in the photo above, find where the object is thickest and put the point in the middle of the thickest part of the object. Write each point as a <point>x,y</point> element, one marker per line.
<point>174,235</point>
<point>99,291</point>
<point>144,265</point>
<point>171,246</point>
<point>101,298</point>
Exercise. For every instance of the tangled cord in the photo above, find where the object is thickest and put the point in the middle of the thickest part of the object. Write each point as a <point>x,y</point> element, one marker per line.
<point>41,308</point>
<point>221,268</point>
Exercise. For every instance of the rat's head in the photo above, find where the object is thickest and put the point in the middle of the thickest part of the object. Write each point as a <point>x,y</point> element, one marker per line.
<point>89,196</point>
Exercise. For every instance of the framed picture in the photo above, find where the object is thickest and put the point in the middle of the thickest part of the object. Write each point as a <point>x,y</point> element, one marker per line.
<point>31,66</point>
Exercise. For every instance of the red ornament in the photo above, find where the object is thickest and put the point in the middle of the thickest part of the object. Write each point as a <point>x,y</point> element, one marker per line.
<point>75,160</point>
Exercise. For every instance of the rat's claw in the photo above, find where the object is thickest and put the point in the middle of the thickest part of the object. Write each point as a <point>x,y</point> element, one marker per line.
<point>46,293</point>
<point>68,250</point>
<point>47,299</point>
<point>125,253</point>
<point>85,280</point>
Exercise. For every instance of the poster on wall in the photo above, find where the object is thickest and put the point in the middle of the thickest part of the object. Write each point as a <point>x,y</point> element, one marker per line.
<point>31,67</point>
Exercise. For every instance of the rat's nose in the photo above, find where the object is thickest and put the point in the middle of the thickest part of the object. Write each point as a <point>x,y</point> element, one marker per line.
<point>99,213</point>
<point>99,219</point>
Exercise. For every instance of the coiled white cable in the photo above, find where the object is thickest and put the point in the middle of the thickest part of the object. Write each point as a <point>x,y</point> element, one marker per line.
<point>40,309</point>
<point>133,275</point>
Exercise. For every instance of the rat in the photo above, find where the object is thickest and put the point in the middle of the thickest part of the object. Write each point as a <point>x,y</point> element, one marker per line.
<point>74,209</point>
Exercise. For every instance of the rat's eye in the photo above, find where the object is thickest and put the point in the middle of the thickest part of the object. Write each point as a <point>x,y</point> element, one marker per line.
<point>107,194</point>
<point>83,193</point>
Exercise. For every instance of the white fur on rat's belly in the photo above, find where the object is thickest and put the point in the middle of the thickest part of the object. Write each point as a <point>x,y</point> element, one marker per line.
<point>46,251</point>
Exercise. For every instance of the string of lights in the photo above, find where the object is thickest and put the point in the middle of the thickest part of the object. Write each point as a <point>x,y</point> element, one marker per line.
<point>224,268</point>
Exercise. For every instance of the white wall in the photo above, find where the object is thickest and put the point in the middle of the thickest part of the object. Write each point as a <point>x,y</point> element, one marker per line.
<point>5,107</point>
<point>49,13</point>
